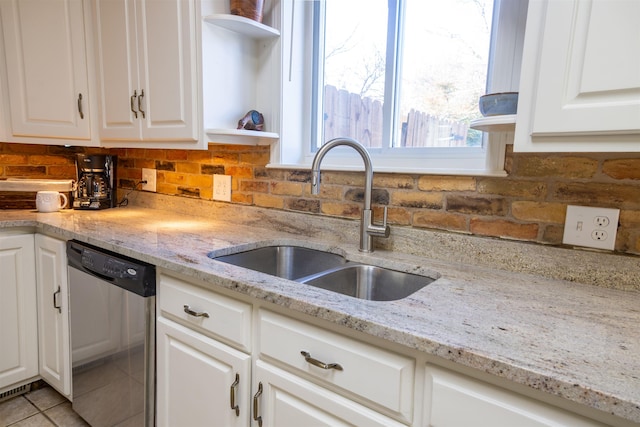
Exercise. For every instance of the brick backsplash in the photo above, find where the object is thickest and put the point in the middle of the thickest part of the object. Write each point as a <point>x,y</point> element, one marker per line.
<point>529,204</point>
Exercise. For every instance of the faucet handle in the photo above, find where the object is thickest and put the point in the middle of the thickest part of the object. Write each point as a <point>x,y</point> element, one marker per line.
<point>385,228</point>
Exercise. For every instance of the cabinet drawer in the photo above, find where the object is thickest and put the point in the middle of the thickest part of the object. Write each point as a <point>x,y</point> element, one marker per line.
<point>487,405</point>
<point>378,376</point>
<point>221,317</point>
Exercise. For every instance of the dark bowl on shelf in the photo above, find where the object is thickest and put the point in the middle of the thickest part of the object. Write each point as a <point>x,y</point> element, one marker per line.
<point>499,104</point>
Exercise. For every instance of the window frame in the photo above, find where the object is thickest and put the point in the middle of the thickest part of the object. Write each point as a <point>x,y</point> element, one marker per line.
<point>293,150</point>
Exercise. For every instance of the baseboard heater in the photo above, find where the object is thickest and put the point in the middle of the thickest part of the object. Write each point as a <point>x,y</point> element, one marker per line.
<point>15,392</point>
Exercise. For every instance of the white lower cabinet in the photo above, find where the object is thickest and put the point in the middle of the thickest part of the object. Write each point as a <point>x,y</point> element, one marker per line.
<point>283,369</point>
<point>372,376</point>
<point>454,400</point>
<point>286,400</point>
<point>18,318</point>
<point>204,346</point>
<point>53,312</point>
<point>200,381</point>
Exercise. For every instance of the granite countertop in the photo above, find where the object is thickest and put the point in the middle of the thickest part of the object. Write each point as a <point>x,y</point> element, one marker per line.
<point>573,340</point>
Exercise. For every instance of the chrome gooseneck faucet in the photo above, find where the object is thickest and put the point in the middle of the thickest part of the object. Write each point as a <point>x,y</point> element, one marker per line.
<point>367,228</point>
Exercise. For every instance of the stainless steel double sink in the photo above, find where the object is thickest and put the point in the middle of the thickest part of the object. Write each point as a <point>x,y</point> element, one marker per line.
<point>329,271</point>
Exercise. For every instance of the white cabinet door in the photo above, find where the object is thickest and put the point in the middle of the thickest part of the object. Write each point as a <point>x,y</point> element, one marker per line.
<point>117,63</point>
<point>580,77</point>
<point>146,53</point>
<point>196,379</point>
<point>53,313</point>
<point>455,400</point>
<point>47,73</point>
<point>167,69</point>
<point>287,400</point>
<point>18,319</point>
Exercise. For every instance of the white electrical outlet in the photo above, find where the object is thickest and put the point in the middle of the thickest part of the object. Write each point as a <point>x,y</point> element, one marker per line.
<point>222,187</point>
<point>591,227</point>
<point>149,175</point>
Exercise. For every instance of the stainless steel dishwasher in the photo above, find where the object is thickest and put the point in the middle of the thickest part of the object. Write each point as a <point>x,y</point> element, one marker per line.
<point>112,317</point>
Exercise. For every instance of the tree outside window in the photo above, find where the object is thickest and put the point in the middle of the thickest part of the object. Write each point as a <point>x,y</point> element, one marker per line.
<point>401,74</point>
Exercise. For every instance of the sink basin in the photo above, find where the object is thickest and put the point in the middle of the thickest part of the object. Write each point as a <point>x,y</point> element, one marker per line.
<point>289,262</point>
<point>369,282</point>
<point>329,271</point>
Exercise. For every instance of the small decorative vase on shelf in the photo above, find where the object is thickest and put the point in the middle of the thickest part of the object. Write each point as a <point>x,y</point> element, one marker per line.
<point>251,9</point>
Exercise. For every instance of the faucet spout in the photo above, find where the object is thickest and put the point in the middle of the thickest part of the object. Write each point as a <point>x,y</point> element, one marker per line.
<point>367,228</point>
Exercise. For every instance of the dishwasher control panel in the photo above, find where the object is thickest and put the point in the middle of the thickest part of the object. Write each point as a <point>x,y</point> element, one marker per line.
<point>127,273</point>
<point>108,266</point>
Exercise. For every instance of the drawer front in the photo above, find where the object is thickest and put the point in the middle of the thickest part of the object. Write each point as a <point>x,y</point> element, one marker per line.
<point>221,317</point>
<point>447,392</point>
<point>378,376</point>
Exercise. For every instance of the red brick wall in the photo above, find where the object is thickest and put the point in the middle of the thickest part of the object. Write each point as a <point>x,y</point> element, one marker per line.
<point>39,161</point>
<point>528,205</point>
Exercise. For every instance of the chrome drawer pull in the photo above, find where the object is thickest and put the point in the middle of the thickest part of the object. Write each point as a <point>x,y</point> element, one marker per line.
<point>256,410</point>
<point>319,364</point>
<point>190,312</point>
<point>133,97</point>
<point>55,300</point>
<point>80,106</point>
<point>140,104</point>
<point>232,397</point>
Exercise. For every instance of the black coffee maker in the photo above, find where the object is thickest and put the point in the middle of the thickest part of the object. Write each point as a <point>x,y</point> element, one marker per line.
<point>96,182</point>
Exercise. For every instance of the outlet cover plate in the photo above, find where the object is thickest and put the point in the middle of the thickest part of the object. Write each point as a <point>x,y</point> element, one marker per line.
<point>222,187</point>
<point>149,175</point>
<point>591,227</point>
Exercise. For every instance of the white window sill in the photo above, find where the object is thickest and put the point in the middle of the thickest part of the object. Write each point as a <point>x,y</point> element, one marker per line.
<point>391,169</point>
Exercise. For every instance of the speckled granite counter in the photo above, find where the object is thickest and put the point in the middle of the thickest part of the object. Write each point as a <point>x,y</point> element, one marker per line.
<point>577,341</point>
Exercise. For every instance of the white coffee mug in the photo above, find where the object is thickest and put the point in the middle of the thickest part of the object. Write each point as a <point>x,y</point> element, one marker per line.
<point>50,201</point>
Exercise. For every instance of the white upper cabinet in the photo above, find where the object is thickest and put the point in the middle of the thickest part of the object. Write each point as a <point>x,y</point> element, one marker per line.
<point>146,52</point>
<point>580,82</point>
<point>46,71</point>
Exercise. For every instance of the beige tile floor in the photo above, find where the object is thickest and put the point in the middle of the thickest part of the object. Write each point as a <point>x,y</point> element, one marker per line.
<point>41,407</point>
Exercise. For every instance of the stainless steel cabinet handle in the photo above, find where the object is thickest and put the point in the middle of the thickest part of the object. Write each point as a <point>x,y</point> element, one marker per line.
<point>55,300</point>
<point>256,410</point>
<point>133,97</point>
<point>232,396</point>
<point>80,106</point>
<point>140,103</point>
<point>193,313</point>
<point>319,364</point>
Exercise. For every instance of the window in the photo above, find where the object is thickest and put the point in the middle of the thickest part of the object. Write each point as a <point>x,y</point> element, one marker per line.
<point>415,85</point>
<point>403,77</point>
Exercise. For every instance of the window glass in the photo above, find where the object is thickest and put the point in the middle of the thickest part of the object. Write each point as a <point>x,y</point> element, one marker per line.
<point>403,74</point>
<point>354,69</point>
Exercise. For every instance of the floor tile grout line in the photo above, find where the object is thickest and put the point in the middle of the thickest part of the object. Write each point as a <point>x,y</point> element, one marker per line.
<point>40,411</point>
<point>26,418</point>
<point>49,418</point>
<point>22,396</point>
